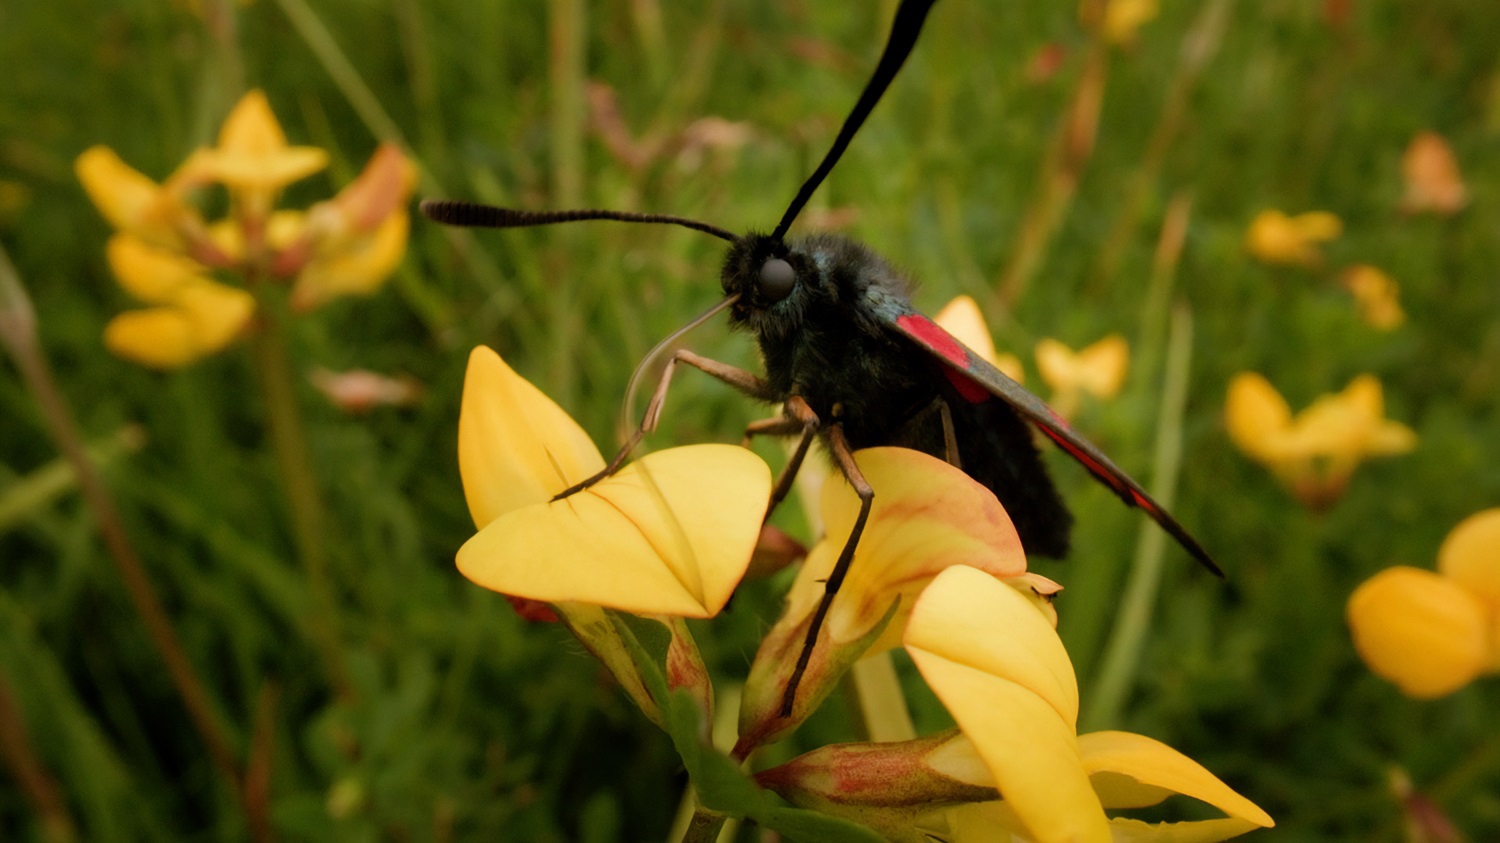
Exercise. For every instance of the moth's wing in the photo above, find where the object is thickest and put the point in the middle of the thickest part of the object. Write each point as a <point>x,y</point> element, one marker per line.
<point>976,380</point>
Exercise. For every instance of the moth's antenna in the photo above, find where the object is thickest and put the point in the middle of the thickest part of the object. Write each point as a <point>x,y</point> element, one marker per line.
<point>472,215</point>
<point>904,30</point>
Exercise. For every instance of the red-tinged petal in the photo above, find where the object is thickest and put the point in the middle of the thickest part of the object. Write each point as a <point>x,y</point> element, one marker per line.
<point>516,447</point>
<point>670,534</point>
<point>927,516</point>
<point>360,267</point>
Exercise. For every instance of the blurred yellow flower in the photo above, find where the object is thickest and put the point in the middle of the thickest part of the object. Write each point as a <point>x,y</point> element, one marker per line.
<point>343,246</point>
<point>962,318</point>
<point>1433,633</point>
<point>193,315</point>
<point>1313,454</point>
<point>1419,630</point>
<point>253,159</point>
<point>1433,182</point>
<point>670,534</point>
<point>1098,370</point>
<point>1275,238</point>
<point>134,204</point>
<point>1376,295</point>
<point>1123,17</point>
<point>928,516</point>
<point>1002,672</point>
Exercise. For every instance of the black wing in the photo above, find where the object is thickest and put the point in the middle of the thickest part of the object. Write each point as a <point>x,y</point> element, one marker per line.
<point>976,380</point>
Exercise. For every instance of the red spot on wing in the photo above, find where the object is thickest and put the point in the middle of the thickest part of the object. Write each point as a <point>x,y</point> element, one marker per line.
<point>942,343</point>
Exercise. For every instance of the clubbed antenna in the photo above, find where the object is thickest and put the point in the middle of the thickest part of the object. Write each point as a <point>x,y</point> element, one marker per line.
<point>471,215</point>
<point>904,30</point>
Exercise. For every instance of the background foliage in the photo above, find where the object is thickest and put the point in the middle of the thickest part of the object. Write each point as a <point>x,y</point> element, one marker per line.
<point>466,723</point>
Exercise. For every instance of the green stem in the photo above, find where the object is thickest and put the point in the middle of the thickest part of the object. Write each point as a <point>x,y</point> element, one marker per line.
<point>704,827</point>
<point>18,332</point>
<point>1123,654</point>
<point>881,702</point>
<point>303,499</point>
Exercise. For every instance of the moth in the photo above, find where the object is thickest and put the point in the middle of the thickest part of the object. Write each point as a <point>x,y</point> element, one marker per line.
<point>852,363</point>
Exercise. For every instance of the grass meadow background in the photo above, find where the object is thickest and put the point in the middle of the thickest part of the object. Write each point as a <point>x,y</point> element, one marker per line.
<point>462,722</point>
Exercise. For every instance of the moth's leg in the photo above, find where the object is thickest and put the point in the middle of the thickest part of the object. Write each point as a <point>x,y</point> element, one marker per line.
<point>798,417</point>
<point>746,382</point>
<point>940,406</point>
<point>844,458</point>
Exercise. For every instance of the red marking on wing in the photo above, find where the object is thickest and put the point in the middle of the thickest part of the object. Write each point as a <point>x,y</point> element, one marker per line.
<point>942,343</point>
<point>939,341</point>
<point>971,390</point>
<point>1089,463</point>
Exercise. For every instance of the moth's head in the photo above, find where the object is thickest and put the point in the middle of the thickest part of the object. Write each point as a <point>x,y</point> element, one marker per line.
<point>774,282</point>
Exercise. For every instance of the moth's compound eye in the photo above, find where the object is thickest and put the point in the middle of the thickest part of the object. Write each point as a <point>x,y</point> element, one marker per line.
<point>777,279</point>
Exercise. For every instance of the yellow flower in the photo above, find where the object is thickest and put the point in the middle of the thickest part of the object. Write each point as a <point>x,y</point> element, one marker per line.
<point>1315,453</point>
<point>1123,17</point>
<point>1376,295</point>
<point>1433,182</point>
<point>1000,669</point>
<point>926,516</point>
<point>1098,370</point>
<point>193,316</point>
<point>1274,237</point>
<point>669,534</point>
<point>962,319</point>
<point>253,159</point>
<point>1433,633</point>
<point>134,204</point>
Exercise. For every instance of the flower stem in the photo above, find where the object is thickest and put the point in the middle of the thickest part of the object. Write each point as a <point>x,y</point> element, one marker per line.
<point>18,332</point>
<point>304,501</point>
<point>1123,654</point>
<point>34,781</point>
<point>704,827</point>
<point>878,689</point>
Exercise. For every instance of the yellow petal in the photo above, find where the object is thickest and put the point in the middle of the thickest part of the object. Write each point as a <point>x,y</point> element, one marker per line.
<point>1003,674</point>
<point>1376,295</point>
<point>1274,237</point>
<point>926,516</point>
<point>1098,370</point>
<point>1123,17</point>
<point>1201,831</point>
<point>359,268</point>
<point>1470,556</point>
<point>218,313</point>
<point>130,201</point>
<point>1420,630</point>
<point>516,447</point>
<point>151,274</point>
<point>253,158</point>
<point>1122,763</point>
<point>159,337</point>
<point>669,534</point>
<point>1256,415</point>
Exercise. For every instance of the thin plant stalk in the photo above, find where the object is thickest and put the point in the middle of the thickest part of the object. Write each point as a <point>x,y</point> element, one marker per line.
<point>18,331</point>
<point>32,778</point>
<point>1199,45</point>
<point>881,701</point>
<point>1122,656</point>
<point>304,501</point>
<point>1061,170</point>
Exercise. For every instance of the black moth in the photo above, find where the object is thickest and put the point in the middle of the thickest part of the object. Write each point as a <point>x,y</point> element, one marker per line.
<point>849,360</point>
